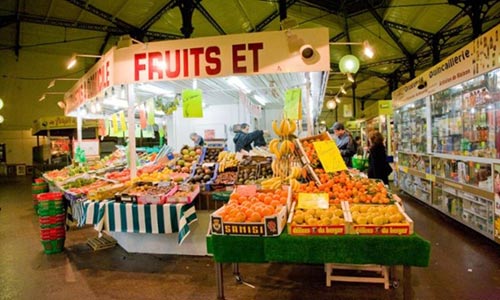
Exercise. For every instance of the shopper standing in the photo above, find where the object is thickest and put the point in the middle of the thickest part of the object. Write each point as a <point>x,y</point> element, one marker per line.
<point>197,139</point>
<point>378,167</point>
<point>344,142</point>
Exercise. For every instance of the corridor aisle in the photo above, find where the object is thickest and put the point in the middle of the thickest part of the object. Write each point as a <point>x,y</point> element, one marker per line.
<point>463,266</point>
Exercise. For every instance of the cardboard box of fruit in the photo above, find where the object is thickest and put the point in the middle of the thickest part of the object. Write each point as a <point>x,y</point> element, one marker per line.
<point>333,220</point>
<point>252,212</point>
<point>306,150</point>
<point>379,219</point>
<point>184,193</point>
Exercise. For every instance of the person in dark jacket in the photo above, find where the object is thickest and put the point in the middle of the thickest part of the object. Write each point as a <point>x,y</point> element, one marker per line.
<point>378,167</point>
<point>344,142</point>
<point>243,139</point>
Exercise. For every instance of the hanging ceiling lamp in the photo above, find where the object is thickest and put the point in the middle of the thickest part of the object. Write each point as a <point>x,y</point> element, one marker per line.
<point>349,64</point>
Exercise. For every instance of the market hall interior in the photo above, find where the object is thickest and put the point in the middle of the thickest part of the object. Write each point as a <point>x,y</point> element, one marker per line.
<point>463,265</point>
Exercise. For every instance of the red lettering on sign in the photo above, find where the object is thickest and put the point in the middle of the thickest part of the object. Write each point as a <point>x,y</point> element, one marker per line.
<point>237,58</point>
<point>138,66</point>
<point>170,71</point>
<point>255,47</point>
<point>155,63</point>
<point>196,52</point>
<point>186,62</point>
<point>213,60</point>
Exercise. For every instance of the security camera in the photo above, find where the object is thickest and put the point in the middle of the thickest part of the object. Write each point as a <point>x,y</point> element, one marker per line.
<point>421,84</point>
<point>307,52</point>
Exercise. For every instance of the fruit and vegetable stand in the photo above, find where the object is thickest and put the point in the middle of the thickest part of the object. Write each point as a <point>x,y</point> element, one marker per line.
<point>114,216</point>
<point>394,250</point>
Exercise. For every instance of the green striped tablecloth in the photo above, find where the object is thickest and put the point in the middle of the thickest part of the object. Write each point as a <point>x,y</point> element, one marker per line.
<point>140,218</point>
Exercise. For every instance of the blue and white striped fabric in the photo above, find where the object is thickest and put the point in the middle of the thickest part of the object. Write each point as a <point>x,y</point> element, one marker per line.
<point>140,218</point>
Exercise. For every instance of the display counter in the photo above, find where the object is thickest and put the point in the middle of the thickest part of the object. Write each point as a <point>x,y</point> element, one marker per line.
<point>406,251</point>
<point>112,216</point>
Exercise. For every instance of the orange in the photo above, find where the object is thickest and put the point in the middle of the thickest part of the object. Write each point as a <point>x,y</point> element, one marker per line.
<point>255,217</point>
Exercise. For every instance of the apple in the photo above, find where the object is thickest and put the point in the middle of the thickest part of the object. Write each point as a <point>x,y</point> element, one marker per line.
<point>185,151</point>
<point>198,151</point>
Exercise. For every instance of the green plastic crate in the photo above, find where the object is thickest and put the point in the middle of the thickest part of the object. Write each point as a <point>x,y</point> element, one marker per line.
<point>53,246</point>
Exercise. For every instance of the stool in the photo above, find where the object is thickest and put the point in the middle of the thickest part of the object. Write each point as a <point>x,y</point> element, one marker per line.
<point>381,274</point>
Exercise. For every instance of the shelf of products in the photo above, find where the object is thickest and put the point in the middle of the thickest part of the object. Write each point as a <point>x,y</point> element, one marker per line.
<point>464,118</point>
<point>447,140</point>
<point>410,127</point>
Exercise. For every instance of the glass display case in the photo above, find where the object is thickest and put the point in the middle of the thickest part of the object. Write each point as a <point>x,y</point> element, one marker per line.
<point>470,172</point>
<point>464,118</point>
<point>410,127</point>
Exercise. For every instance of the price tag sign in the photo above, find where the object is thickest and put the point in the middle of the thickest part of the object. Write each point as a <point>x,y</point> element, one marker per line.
<point>430,177</point>
<point>192,104</point>
<point>313,200</point>
<point>246,190</point>
<point>293,104</point>
<point>329,155</point>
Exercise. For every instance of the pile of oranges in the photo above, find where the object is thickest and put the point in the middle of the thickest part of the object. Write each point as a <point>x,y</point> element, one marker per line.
<point>311,152</point>
<point>341,186</point>
<point>254,208</point>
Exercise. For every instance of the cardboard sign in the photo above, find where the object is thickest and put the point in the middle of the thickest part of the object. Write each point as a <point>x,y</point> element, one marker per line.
<point>293,104</point>
<point>313,200</point>
<point>330,156</point>
<point>192,104</point>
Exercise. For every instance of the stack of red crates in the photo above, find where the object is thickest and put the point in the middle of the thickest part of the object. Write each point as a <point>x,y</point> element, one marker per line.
<point>52,217</point>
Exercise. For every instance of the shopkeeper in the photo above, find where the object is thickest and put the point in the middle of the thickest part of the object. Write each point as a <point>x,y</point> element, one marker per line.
<point>197,139</point>
<point>243,139</point>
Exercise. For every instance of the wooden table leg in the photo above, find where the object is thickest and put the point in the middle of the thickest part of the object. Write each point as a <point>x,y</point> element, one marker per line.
<point>219,281</point>
<point>407,283</point>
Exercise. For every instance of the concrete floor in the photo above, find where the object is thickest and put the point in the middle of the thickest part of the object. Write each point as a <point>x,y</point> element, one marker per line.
<point>463,265</point>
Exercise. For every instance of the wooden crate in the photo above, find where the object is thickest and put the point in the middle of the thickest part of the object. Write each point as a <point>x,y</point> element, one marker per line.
<point>380,274</point>
<point>100,243</point>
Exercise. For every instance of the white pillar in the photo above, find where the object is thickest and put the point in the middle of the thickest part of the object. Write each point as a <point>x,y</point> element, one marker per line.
<point>131,130</point>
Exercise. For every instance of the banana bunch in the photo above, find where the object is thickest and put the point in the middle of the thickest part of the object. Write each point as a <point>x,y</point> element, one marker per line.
<point>281,148</point>
<point>226,160</point>
<point>294,184</point>
<point>295,172</point>
<point>271,184</point>
<point>285,128</point>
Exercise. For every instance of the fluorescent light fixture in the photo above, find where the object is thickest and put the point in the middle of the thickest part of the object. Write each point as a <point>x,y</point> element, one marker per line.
<point>1,119</point>
<point>154,89</point>
<point>53,81</point>
<point>50,93</point>
<point>72,61</point>
<point>337,99</point>
<point>237,83</point>
<point>61,104</point>
<point>1,103</point>
<point>115,102</point>
<point>342,90</point>
<point>368,50</point>
<point>260,99</point>
<point>350,77</point>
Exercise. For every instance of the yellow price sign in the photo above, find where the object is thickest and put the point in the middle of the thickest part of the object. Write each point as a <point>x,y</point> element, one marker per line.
<point>430,177</point>
<point>293,104</point>
<point>313,200</point>
<point>329,155</point>
<point>192,104</point>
